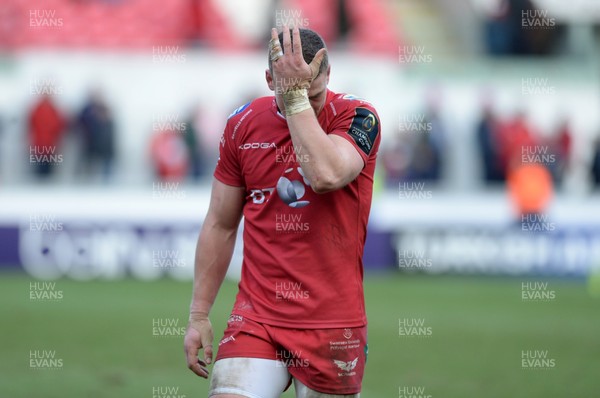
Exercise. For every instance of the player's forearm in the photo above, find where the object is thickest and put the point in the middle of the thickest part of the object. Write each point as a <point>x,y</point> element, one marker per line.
<point>213,254</point>
<point>317,154</point>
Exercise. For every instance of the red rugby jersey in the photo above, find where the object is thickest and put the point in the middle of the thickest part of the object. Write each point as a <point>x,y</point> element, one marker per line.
<point>302,264</point>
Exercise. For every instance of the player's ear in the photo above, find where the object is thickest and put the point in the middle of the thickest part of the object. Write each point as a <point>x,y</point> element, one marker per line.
<point>269,79</point>
<point>328,72</point>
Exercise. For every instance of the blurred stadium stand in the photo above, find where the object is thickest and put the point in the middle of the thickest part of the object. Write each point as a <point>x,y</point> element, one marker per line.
<point>96,24</point>
<point>193,61</point>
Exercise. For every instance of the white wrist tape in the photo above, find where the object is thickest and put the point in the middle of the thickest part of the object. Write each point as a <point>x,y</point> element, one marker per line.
<point>296,100</point>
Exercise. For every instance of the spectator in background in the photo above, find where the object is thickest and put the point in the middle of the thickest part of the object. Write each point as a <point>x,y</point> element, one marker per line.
<point>520,35</point>
<point>194,144</point>
<point>513,137</point>
<point>46,127</point>
<point>504,30</point>
<point>417,152</point>
<point>344,21</point>
<point>96,127</point>
<point>488,146</point>
<point>429,147</point>
<point>395,160</point>
<point>560,147</point>
<point>169,155</point>
<point>497,27</point>
<point>513,27</point>
<point>425,165</point>
<point>530,189</point>
<point>596,164</point>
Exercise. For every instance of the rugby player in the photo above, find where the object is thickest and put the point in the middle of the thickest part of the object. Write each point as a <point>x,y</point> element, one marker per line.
<point>299,167</point>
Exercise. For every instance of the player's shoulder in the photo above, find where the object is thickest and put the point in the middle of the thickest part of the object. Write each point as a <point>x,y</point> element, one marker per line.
<point>361,120</point>
<point>349,102</point>
<point>251,109</point>
<point>239,121</point>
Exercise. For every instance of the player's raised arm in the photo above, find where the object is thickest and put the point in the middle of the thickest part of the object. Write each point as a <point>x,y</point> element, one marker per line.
<point>329,162</point>
<point>213,254</point>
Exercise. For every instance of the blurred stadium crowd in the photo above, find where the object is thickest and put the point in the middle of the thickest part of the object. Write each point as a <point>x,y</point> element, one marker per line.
<point>417,148</point>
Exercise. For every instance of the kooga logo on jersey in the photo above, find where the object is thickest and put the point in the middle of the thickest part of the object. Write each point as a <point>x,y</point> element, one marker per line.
<point>258,145</point>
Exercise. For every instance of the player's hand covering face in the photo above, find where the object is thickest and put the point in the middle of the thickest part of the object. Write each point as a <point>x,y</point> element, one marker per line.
<point>290,71</point>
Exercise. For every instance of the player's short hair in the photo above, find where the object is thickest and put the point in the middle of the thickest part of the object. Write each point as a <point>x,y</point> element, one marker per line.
<point>312,42</point>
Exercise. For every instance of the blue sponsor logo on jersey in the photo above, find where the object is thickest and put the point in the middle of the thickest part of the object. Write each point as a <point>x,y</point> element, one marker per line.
<point>352,97</point>
<point>238,110</point>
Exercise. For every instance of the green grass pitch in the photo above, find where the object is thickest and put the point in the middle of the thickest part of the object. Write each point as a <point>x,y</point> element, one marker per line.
<point>478,329</point>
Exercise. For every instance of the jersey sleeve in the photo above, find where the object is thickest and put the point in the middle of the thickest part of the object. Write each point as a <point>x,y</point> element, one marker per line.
<point>359,124</point>
<point>228,169</point>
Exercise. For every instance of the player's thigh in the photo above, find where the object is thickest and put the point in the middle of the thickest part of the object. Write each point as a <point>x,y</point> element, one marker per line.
<point>248,378</point>
<point>303,391</point>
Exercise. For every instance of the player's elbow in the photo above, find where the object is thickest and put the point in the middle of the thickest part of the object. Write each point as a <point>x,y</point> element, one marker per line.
<point>328,183</point>
<point>333,177</point>
<point>321,188</point>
